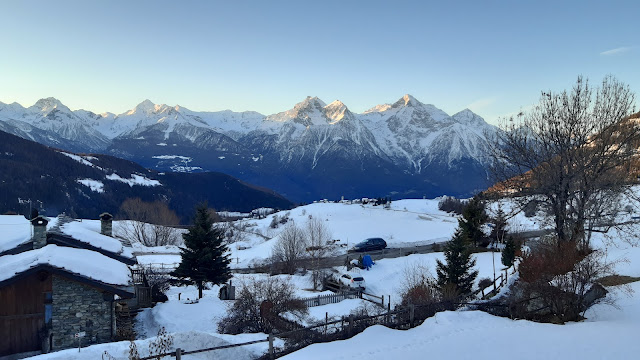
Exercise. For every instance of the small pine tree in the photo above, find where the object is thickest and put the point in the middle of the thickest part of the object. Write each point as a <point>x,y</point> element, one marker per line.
<point>499,231</point>
<point>509,252</point>
<point>473,217</point>
<point>457,270</point>
<point>205,257</point>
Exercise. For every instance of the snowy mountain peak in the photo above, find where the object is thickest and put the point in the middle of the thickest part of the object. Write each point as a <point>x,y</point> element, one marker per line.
<point>468,117</point>
<point>308,112</point>
<point>48,104</point>
<point>14,107</point>
<point>336,104</point>
<point>145,107</point>
<point>407,100</point>
<point>179,108</point>
<point>310,102</point>
<point>337,111</point>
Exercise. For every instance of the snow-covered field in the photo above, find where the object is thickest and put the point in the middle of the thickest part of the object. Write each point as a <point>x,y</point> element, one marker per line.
<point>407,223</point>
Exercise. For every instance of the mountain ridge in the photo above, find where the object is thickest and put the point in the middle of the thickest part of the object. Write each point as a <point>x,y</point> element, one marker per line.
<point>416,145</point>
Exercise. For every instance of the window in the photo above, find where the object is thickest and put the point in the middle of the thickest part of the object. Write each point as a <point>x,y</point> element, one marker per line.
<point>48,307</point>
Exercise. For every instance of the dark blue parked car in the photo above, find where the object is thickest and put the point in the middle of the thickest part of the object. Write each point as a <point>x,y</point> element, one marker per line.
<point>370,245</point>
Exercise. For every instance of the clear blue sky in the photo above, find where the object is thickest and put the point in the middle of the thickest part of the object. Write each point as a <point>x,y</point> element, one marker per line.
<point>491,56</point>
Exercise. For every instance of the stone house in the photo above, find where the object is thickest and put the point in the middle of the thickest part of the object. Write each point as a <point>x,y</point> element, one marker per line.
<point>59,291</point>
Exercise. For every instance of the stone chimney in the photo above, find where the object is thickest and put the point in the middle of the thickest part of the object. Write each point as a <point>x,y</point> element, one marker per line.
<point>106,224</point>
<point>39,232</point>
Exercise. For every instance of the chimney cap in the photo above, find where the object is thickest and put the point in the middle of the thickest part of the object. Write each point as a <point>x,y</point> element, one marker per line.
<point>106,216</point>
<point>39,221</point>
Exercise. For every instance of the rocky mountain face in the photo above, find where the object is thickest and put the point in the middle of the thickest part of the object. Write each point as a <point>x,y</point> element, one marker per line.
<point>312,151</point>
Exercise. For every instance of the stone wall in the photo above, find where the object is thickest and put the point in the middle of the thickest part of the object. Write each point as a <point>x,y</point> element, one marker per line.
<point>78,307</point>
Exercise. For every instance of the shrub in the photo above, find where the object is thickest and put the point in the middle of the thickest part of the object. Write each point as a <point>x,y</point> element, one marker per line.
<point>259,307</point>
<point>484,283</point>
<point>420,289</point>
<point>274,221</point>
<point>559,282</point>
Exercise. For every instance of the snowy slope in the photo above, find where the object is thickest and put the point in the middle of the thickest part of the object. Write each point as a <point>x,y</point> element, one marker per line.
<point>608,334</point>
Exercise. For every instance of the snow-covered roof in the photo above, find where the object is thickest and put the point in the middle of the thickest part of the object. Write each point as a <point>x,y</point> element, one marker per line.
<point>14,230</point>
<point>85,263</point>
<point>88,231</point>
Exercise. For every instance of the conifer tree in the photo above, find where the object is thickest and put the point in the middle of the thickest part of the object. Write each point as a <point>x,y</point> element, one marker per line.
<point>205,257</point>
<point>509,252</point>
<point>473,217</point>
<point>499,231</point>
<point>457,268</point>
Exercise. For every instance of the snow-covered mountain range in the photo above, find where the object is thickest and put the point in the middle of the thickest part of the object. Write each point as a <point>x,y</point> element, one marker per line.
<point>310,151</point>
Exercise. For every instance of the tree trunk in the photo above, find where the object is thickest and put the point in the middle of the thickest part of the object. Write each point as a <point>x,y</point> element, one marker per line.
<point>200,286</point>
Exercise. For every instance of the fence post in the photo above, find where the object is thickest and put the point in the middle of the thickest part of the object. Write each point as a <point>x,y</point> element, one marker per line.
<point>271,352</point>
<point>326,322</point>
<point>178,354</point>
<point>412,309</point>
<point>350,326</point>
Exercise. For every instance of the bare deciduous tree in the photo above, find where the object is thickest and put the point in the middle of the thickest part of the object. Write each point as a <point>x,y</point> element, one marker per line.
<point>149,222</point>
<point>289,248</point>
<point>573,152</point>
<point>259,306</point>
<point>318,247</point>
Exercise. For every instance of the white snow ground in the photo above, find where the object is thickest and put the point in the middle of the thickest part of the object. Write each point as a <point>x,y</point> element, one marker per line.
<point>608,333</point>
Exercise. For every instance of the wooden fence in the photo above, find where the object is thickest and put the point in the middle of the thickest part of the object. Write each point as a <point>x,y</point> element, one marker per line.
<point>159,267</point>
<point>331,298</point>
<point>498,283</point>
<point>378,300</point>
<point>337,297</point>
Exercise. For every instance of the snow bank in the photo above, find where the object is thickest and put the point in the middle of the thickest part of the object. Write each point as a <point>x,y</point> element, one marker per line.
<point>190,340</point>
<point>609,333</point>
<point>15,230</point>
<point>85,263</point>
